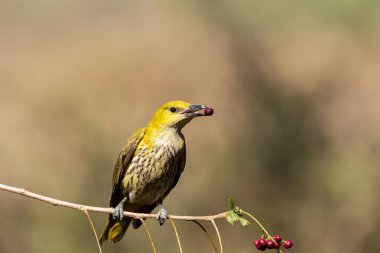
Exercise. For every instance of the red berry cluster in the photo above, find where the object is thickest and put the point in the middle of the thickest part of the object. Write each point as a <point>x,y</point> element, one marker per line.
<point>272,243</point>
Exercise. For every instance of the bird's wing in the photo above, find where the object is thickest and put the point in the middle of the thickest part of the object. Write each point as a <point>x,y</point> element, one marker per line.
<point>121,166</point>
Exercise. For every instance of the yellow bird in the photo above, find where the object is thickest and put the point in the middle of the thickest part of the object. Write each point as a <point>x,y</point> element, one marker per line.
<point>149,166</point>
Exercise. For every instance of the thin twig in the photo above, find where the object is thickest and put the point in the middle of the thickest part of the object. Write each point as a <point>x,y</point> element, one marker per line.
<point>93,229</point>
<point>208,236</point>
<point>217,232</point>
<point>260,225</point>
<point>176,234</point>
<point>149,235</point>
<point>57,202</point>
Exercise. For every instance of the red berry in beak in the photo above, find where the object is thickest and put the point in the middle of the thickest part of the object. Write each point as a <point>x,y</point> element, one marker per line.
<point>208,111</point>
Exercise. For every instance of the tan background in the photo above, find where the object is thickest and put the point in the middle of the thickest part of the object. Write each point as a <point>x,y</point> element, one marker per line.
<point>294,139</point>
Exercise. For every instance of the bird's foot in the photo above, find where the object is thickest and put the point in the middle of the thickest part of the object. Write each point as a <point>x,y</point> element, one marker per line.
<point>118,211</point>
<point>162,215</point>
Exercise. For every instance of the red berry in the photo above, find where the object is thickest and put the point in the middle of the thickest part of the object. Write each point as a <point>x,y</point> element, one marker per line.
<point>270,244</point>
<point>284,252</point>
<point>277,245</point>
<point>277,238</point>
<point>261,244</point>
<point>288,244</point>
<point>255,242</point>
<point>208,111</point>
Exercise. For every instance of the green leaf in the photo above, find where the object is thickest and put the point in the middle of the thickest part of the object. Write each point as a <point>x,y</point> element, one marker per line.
<point>232,217</point>
<point>231,203</point>
<point>229,219</point>
<point>235,216</point>
<point>244,222</point>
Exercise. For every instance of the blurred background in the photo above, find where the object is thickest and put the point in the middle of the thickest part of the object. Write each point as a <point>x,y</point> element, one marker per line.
<point>294,139</point>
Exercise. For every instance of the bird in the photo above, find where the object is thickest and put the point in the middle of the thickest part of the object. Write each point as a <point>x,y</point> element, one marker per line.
<point>149,167</point>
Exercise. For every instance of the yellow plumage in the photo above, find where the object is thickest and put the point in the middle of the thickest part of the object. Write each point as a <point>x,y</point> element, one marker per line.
<point>149,166</point>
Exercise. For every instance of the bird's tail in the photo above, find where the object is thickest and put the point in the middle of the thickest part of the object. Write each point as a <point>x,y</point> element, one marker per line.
<point>114,230</point>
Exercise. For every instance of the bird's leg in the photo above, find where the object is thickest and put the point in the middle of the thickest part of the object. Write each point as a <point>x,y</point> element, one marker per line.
<point>119,209</point>
<point>162,215</point>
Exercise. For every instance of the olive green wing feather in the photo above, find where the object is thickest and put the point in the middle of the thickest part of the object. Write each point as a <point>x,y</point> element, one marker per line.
<point>121,166</point>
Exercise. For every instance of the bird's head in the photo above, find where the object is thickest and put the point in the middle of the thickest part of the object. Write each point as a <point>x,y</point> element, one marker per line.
<point>177,114</point>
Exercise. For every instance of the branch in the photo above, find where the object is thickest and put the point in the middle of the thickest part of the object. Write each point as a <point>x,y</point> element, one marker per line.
<point>235,214</point>
<point>85,208</point>
<point>141,216</point>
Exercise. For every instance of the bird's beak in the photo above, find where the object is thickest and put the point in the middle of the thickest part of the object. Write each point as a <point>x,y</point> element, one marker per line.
<point>192,111</point>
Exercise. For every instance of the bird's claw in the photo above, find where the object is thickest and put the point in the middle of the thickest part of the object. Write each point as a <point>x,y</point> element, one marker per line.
<point>162,215</point>
<point>119,209</point>
<point>118,212</point>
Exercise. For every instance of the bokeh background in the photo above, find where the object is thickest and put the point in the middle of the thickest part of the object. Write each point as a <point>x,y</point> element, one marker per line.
<point>295,137</point>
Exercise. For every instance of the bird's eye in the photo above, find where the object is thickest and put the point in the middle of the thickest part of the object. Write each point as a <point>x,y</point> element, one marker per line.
<point>173,109</point>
